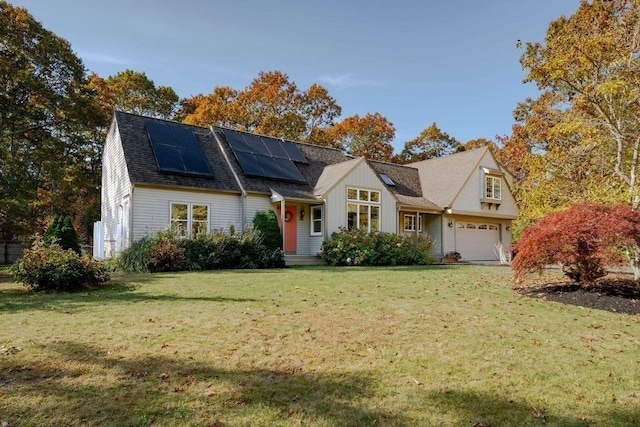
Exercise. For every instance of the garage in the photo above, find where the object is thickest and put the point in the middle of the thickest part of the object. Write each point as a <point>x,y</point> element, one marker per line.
<point>476,241</point>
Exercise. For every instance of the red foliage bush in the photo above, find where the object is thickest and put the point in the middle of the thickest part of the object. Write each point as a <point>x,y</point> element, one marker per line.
<point>583,240</point>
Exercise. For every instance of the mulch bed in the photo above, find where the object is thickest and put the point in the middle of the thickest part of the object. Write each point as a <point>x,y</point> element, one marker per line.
<point>620,295</point>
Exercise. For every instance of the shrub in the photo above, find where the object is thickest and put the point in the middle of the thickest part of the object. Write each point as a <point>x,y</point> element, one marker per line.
<point>62,232</point>
<point>357,247</point>
<point>582,239</point>
<point>52,268</point>
<point>267,223</point>
<point>164,251</point>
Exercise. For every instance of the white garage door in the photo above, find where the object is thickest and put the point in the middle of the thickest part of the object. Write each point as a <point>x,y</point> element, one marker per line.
<point>476,241</point>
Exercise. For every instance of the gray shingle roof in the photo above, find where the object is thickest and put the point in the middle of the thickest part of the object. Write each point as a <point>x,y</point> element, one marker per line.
<point>429,184</point>
<point>407,188</point>
<point>141,162</point>
<point>442,178</point>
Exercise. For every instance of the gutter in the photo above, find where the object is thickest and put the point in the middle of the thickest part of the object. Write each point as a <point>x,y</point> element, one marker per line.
<point>243,192</point>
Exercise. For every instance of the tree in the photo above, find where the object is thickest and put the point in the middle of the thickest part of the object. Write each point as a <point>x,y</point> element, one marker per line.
<point>48,122</point>
<point>582,239</point>
<point>134,92</point>
<point>481,142</point>
<point>62,232</point>
<point>369,136</point>
<point>589,71</point>
<point>267,223</point>
<point>432,142</point>
<point>271,105</point>
<point>590,64</point>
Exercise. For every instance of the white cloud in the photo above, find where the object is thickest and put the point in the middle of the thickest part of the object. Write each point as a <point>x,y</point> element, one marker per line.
<point>101,58</point>
<point>345,81</point>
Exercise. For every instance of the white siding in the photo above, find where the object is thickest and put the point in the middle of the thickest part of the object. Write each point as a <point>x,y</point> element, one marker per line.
<point>115,187</point>
<point>255,203</point>
<point>151,207</point>
<point>361,177</point>
<point>468,200</point>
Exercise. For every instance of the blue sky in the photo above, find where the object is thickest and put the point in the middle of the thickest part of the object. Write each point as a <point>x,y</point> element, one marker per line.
<point>416,62</point>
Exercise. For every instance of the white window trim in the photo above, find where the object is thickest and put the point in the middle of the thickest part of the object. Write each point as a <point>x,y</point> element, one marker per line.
<point>190,215</point>
<point>492,194</point>
<point>313,221</point>
<point>417,220</point>
<point>368,203</point>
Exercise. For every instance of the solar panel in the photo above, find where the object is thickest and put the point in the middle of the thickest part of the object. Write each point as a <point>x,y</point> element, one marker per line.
<point>266,157</point>
<point>275,148</point>
<point>237,141</point>
<point>249,164</point>
<point>290,171</point>
<point>270,167</point>
<point>256,145</point>
<point>294,152</point>
<point>176,149</point>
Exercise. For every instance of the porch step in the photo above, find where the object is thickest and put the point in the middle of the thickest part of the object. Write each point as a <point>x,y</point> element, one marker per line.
<point>290,260</point>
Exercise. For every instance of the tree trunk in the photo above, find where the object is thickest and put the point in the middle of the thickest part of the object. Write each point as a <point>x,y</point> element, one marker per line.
<point>633,253</point>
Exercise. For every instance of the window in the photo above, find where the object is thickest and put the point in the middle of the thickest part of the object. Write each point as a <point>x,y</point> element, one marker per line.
<point>316,220</point>
<point>189,219</point>
<point>410,223</point>
<point>492,187</point>
<point>471,226</point>
<point>363,210</point>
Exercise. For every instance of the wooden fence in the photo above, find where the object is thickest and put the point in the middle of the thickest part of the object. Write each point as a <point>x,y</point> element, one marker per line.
<point>11,251</point>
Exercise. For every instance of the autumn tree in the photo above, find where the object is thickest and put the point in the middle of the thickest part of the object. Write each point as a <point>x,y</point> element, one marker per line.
<point>582,239</point>
<point>47,126</point>
<point>589,63</point>
<point>134,92</point>
<point>369,136</point>
<point>588,72</point>
<point>432,142</point>
<point>481,142</point>
<point>270,105</point>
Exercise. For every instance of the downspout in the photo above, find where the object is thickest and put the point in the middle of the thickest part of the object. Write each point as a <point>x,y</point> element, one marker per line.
<point>243,192</point>
<point>442,235</point>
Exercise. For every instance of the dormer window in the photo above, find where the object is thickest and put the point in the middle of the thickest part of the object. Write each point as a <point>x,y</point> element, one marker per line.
<point>491,195</point>
<point>493,187</point>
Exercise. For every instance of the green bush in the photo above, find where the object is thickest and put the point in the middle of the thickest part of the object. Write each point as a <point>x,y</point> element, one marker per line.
<point>164,251</point>
<point>52,268</point>
<point>267,223</point>
<point>62,232</point>
<point>356,247</point>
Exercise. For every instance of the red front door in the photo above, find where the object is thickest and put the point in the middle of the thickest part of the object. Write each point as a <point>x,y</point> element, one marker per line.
<point>290,232</point>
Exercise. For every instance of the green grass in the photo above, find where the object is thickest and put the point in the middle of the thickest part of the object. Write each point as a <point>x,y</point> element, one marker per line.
<point>428,346</point>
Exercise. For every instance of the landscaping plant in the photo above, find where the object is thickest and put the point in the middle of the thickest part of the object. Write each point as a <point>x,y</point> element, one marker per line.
<point>267,223</point>
<point>357,247</point>
<point>166,251</point>
<point>53,268</point>
<point>584,240</point>
<point>62,232</point>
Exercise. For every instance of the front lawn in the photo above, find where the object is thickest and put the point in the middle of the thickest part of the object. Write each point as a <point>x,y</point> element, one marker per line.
<point>316,346</point>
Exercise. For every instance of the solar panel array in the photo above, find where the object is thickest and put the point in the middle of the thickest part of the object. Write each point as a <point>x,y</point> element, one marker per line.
<point>266,157</point>
<point>176,149</point>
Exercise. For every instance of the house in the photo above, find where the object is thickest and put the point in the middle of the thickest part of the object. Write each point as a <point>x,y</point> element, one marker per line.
<point>159,174</point>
